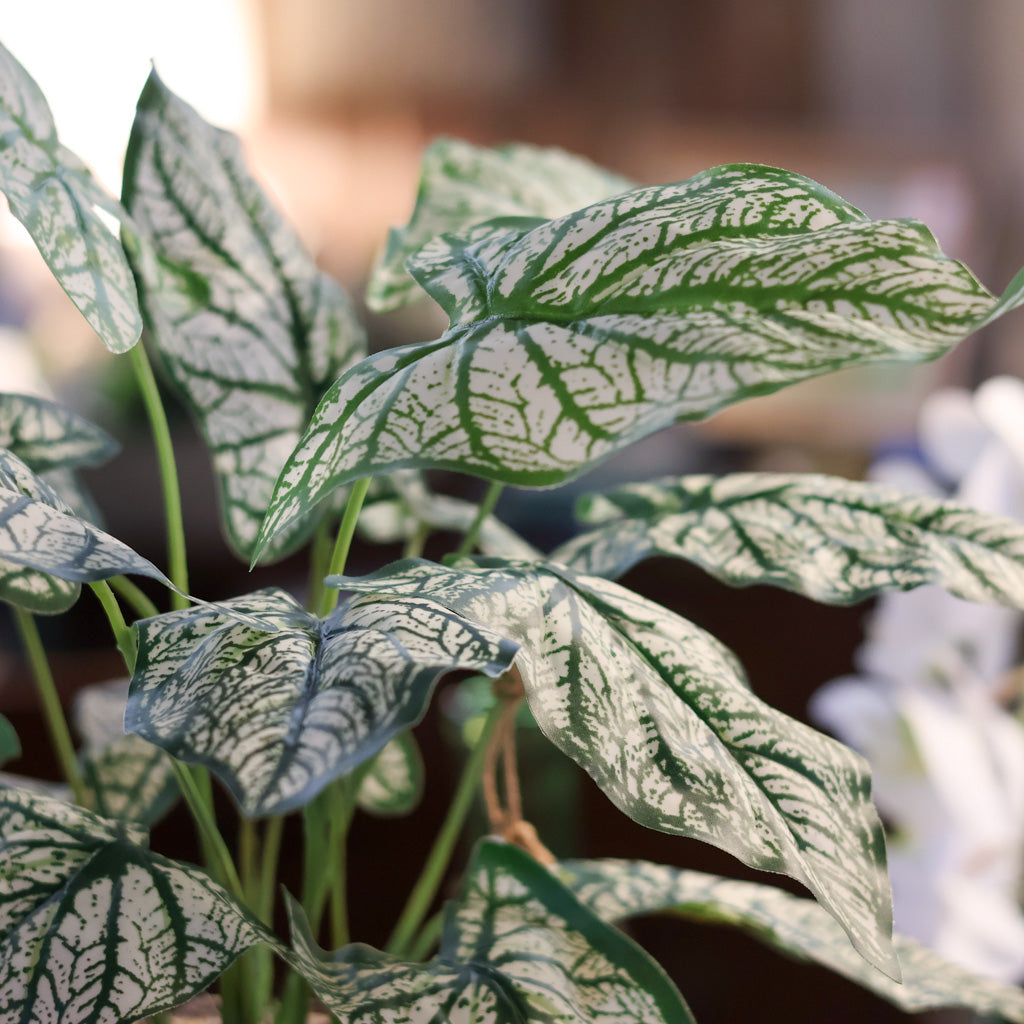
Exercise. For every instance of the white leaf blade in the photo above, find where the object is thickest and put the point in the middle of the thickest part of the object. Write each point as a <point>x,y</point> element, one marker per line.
<point>517,949</point>
<point>659,713</point>
<point>834,540</point>
<point>277,715</point>
<point>617,889</point>
<point>248,327</point>
<point>56,198</point>
<point>462,185</point>
<point>573,338</point>
<point>97,928</point>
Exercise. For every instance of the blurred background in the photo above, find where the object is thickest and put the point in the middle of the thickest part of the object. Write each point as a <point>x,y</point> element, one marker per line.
<point>908,109</point>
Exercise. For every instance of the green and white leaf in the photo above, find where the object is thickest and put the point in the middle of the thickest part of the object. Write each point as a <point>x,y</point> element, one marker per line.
<point>59,201</point>
<point>617,889</point>
<point>660,714</point>
<point>574,337</point>
<point>40,539</point>
<point>393,783</point>
<point>129,779</point>
<point>462,185</point>
<point>95,927</point>
<point>518,948</point>
<point>10,747</point>
<point>249,329</point>
<point>46,436</point>
<point>277,715</point>
<point>832,539</point>
<point>414,507</point>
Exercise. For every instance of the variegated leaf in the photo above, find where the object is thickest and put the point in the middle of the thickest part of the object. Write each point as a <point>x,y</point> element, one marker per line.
<point>95,927</point>
<point>46,551</point>
<point>462,185</point>
<point>393,783</point>
<point>832,539</point>
<point>277,715</point>
<point>46,436</point>
<point>249,328</point>
<point>414,507</point>
<point>574,337</point>
<point>661,716</point>
<point>128,778</point>
<point>616,889</point>
<point>518,948</point>
<point>57,199</point>
<point>10,748</point>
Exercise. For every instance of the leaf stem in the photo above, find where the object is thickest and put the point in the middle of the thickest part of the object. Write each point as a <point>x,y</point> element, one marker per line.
<point>178,562</point>
<point>134,595</point>
<point>53,713</point>
<point>269,856</point>
<point>123,636</point>
<point>346,531</point>
<point>436,864</point>
<point>427,938</point>
<point>485,508</point>
<point>319,559</point>
<point>213,841</point>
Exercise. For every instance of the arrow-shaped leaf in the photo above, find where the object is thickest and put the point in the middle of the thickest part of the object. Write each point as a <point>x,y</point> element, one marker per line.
<point>95,927</point>
<point>393,783</point>
<point>40,538</point>
<point>574,337</point>
<point>832,539</point>
<point>518,948</point>
<point>462,185</point>
<point>249,328</point>
<point>57,199</point>
<point>617,889</point>
<point>47,436</point>
<point>128,779</point>
<point>661,716</point>
<point>277,715</point>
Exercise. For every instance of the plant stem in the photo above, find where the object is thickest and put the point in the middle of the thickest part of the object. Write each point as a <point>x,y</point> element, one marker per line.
<point>319,559</point>
<point>269,856</point>
<point>123,636</point>
<point>418,538</point>
<point>343,542</point>
<point>486,507</point>
<point>134,595</point>
<point>213,841</point>
<point>168,473</point>
<point>427,938</point>
<point>56,723</point>
<point>436,864</point>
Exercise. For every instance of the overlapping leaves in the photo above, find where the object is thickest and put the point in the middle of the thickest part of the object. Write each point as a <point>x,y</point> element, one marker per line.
<point>94,926</point>
<point>57,199</point>
<point>617,889</point>
<point>518,948</point>
<point>278,714</point>
<point>574,337</point>
<point>393,783</point>
<point>46,551</point>
<point>661,716</point>
<point>249,328</point>
<point>45,435</point>
<point>462,185</point>
<point>832,539</point>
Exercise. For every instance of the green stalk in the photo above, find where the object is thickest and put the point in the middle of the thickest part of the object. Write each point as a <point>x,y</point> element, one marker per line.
<point>123,636</point>
<point>213,841</point>
<point>269,856</point>
<point>53,713</point>
<point>134,596</point>
<point>486,507</point>
<point>177,560</point>
<point>436,864</point>
<point>343,543</point>
<point>427,938</point>
<point>319,559</point>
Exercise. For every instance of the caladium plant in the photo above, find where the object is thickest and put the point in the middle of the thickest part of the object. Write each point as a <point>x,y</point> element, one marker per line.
<point>585,313</point>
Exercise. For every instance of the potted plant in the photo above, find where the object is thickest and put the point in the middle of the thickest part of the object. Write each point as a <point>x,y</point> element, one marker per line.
<point>585,314</point>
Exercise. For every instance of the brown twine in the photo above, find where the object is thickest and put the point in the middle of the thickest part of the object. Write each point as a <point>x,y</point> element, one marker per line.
<point>507,820</point>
